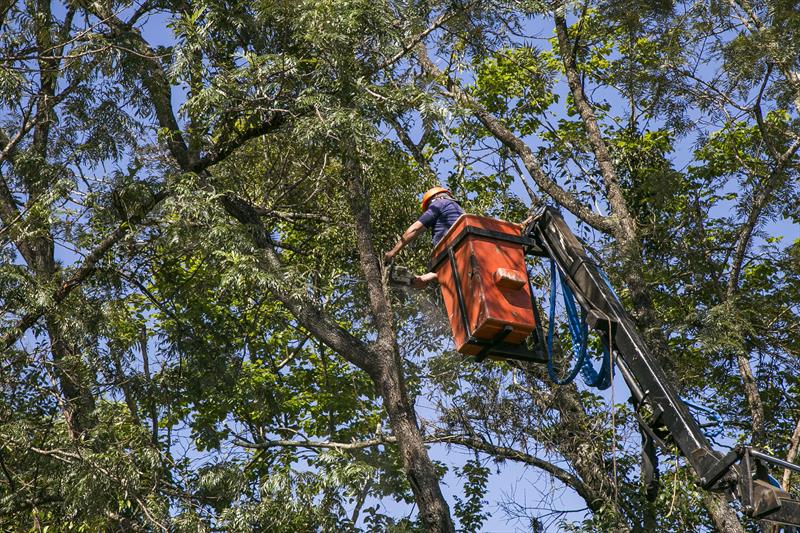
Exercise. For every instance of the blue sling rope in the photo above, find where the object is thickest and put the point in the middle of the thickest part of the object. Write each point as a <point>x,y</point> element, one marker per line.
<point>579,331</point>
<point>579,347</point>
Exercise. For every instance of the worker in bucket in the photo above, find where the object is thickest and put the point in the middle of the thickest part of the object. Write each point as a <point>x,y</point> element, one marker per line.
<point>439,212</point>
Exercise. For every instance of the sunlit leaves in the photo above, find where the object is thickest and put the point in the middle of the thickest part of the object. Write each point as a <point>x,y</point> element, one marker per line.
<point>516,82</point>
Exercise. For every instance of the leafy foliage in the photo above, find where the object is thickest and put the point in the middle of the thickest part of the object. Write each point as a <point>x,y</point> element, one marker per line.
<point>163,382</point>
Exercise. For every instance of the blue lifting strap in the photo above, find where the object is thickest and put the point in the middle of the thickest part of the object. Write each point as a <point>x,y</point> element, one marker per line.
<point>578,349</point>
<point>579,331</point>
<point>576,322</point>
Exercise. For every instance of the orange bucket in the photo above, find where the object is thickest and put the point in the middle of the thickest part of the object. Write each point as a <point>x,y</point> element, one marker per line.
<point>480,265</point>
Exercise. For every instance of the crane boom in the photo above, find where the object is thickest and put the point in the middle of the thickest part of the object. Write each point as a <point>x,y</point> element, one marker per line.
<point>742,473</point>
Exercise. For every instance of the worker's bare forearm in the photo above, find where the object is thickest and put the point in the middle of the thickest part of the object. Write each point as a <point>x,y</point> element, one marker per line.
<point>409,235</point>
<point>420,282</point>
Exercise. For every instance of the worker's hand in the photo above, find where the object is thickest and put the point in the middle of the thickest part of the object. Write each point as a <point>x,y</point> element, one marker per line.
<point>389,256</point>
<point>420,282</point>
<point>521,225</point>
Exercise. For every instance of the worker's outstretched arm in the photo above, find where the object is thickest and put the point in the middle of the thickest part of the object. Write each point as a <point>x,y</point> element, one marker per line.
<point>410,234</point>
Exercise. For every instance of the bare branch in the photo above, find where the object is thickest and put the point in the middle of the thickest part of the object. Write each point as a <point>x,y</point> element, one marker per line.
<point>760,117</point>
<point>791,455</point>
<point>474,443</point>
<point>414,149</point>
<point>414,41</point>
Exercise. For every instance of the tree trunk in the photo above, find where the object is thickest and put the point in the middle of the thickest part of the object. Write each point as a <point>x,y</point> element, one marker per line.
<point>380,360</point>
<point>724,518</point>
<point>78,400</point>
<point>418,467</point>
<point>38,250</point>
<point>628,243</point>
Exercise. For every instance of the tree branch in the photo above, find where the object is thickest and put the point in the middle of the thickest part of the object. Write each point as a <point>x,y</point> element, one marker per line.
<point>613,191</point>
<point>757,27</point>
<point>414,41</point>
<point>370,265</point>
<point>312,318</point>
<point>520,148</point>
<point>791,455</point>
<point>414,149</point>
<point>501,453</point>
<point>153,78</point>
<point>84,271</point>
<point>759,202</point>
<point>227,146</point>
<point>760,116</point>
<point>593,500</point>
<point>166,118</point>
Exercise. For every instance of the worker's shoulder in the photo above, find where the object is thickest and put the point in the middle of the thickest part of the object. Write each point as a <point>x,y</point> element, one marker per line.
<point>446,202</point>
<point>452,208</point>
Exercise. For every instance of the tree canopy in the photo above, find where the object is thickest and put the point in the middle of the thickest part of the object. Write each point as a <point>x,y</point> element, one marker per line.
<point>195,197</point>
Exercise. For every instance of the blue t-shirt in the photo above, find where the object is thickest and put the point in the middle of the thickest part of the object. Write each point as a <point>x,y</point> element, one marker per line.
<point>440,215</point>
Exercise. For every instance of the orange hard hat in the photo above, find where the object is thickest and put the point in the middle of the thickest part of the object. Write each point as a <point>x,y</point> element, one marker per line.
<point>430,193</point>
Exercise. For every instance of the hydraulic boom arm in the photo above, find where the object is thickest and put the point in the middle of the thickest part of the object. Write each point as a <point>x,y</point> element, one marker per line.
<point>743,472</point>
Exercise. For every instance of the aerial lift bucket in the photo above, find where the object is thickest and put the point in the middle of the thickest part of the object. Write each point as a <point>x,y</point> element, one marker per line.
<point>480,266</point>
